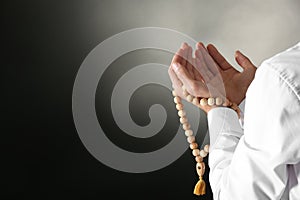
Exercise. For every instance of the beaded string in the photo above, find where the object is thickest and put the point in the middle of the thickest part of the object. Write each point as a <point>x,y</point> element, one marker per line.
<point>200,187</point>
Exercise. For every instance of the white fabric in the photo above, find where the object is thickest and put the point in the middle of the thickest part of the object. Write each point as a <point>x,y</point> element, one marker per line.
<point>262,159</point>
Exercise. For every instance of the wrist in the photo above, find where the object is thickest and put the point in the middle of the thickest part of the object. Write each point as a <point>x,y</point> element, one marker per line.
<point>237,111</point>
<point>208,104</point>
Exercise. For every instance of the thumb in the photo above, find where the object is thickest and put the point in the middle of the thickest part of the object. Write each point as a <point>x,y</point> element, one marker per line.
<point>243,61</point>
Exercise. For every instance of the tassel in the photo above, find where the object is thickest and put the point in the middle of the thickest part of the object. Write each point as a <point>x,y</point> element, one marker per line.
<point>200,187</point>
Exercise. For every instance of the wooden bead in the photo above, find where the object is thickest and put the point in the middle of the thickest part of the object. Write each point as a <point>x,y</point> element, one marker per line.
<point>200,167</point>
<point>196,152</point>
<point>185,93</point>
<point>191,139</point>
<point>203,102</point>
<point>189,98</point>
<point>203,154</point>
<point>196,101</point>
<point>219,101</point>
<point>179,106</point>
<point>174,93</point>
<point>234,106</point>
<point>226,103</point>
<point>183,120</point>
<point>186,126</point>
<point>199,159</point>
<point>188,132</point>
<point>177,100</point>
<point>193,145</point>
<point>199,154</point>
<point>206,148</point>
<point>211,101</point>
<point>181,113</point>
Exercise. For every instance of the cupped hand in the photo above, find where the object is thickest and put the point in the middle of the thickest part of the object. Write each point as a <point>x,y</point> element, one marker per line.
<point>182,71</point>
<point>236,83</point>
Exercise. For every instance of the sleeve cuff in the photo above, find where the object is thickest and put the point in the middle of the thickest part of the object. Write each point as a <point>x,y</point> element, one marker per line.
<point>223,121</point>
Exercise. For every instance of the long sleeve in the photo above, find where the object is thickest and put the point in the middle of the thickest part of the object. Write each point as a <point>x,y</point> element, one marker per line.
<point>261,160</point>
<point>225,133</point>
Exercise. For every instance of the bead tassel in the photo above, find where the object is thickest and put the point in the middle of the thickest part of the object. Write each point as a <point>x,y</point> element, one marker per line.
<point>199,154</point>
<point>200,187</point>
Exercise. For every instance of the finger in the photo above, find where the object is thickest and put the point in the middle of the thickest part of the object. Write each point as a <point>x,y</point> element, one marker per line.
<point>196,88</point>
<point>218,58</point>
<point>184,53</point>
<point>176,83</point>
<point>198,76</point>
<point>210,63</point>
<point>199,45</point>
<point>243,61</point>
<point>189,62</point>
<point>214,82</point>
<point>177,57</point>
<point>202,67</point>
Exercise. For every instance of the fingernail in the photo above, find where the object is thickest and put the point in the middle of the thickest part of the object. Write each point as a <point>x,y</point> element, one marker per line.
<point>238,52</point>
<point>200,44</point>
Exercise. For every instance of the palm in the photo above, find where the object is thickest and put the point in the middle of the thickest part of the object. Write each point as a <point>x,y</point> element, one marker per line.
<point>221,77</point>
<point>236,83</point>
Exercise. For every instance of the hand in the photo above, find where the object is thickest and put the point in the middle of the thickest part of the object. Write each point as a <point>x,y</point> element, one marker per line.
<point>236,83</point>
<point>187,74</point>
<point>217,77</point>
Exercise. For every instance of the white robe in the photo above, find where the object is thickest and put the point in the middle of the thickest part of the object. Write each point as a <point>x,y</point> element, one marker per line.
<point>262,159</point>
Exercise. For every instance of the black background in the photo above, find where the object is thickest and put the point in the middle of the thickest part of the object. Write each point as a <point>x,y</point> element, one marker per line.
<point>45,43</point>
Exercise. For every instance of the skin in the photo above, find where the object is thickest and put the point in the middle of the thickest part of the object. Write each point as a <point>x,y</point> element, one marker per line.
<point>209,74</point>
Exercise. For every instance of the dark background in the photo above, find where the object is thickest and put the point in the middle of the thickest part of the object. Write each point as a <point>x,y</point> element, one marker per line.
<point>43,46</point>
